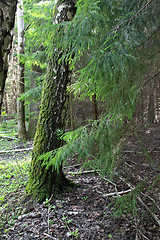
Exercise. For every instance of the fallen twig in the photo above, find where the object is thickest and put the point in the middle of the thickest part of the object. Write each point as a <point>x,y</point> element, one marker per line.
<point>109,181</point>
<point>50,236</point>
<point>9,138</point>
<point>142,234</point>
<point>154,216</point>
<point>76,165</point>
<point>117,193</point>
<point>80,173</point>
<point>16,150</point>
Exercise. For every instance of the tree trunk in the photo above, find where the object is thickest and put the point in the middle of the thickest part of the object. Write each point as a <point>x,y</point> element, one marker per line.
<point>33,105</point>
<point>7,19</point>
<point>21,66</point>
<point>44,182</point>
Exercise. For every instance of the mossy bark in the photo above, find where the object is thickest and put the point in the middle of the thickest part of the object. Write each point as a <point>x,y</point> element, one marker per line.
<point>45,182</point>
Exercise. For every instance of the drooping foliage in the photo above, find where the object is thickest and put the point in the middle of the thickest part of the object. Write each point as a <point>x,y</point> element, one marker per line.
<point>118,39</point>
<point>114,37</point>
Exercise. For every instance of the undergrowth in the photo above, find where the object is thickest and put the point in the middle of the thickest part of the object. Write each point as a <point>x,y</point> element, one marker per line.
<point>13,176</point>
<point>13,179</point>
<point>8,128</point>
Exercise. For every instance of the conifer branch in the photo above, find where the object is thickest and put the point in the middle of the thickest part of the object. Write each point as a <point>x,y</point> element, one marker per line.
<point>133,17</point>
<point>141,10</point>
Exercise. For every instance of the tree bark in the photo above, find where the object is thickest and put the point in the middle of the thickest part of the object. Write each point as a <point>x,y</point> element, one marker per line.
<point>7,19</point>
<point>21,68</point>
<point>34,106</point>
<point>45,182</point>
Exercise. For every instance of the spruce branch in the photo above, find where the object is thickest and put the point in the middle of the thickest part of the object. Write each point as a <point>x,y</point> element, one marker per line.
<point>132,18</point>
<point>141,10</point>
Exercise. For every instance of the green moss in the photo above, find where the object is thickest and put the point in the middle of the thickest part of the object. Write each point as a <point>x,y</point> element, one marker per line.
<point>43,182</point>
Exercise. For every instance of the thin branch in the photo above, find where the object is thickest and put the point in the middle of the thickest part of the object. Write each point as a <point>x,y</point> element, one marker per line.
<point>142,234</point>
<point>108,181</point>
<point>157,220</point>
<point>9,138</point>
<point>20,82</point>
<point>154,216</point>
<point>80,173</point>
<point>117,193</point>
<point>151,200</point>
<point>16,150</point>
<point>50,236</point>
<point>141,10</point>
<point>72,166</point>
<point>154,54</point>
<point>149,79</point>
<point>133,17</point>
<point>150,37</point>
<point>27,27</point>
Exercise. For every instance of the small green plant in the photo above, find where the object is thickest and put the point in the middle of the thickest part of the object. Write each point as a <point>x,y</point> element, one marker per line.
<point>85,198</point>
<point>66,221</point>
<point>50,222</point>
<point>110,235</point>
<point>75,234</point>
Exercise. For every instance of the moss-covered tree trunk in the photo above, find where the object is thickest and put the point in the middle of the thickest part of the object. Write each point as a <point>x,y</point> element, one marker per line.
<point>7,19</point>
<point>45,182</point>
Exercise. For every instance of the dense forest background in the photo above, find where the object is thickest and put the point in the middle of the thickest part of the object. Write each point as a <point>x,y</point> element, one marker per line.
<point>38,24</point>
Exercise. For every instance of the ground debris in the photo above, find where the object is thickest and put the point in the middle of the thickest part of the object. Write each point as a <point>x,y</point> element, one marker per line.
<point>84,213</point>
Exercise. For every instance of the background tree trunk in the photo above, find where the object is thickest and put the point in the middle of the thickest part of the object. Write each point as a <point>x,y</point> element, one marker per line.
<point>21,68</point>
<point>44,182</point>
<point>7,19</point>
<point>33,105</point>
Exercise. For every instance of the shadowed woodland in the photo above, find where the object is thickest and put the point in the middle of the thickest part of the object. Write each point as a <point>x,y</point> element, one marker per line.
<point>79,119</point>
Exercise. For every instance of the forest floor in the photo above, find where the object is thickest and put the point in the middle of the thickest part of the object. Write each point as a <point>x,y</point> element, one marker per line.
<point>85,212</point>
